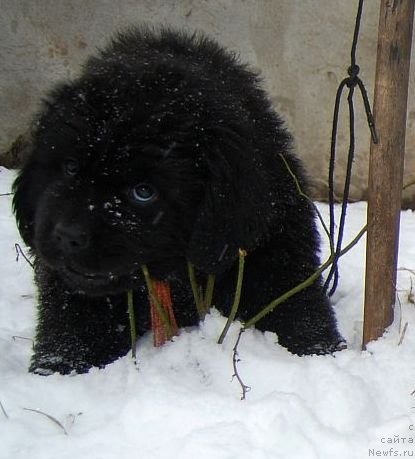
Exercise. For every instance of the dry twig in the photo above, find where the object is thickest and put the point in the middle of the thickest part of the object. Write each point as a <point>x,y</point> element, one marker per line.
<point>51,418</point>
<point>235,360</point>
<point>19,251</point>
<point>4,411</point>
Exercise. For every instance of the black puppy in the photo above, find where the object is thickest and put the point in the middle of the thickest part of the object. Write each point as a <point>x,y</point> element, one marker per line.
<point>165,150</point>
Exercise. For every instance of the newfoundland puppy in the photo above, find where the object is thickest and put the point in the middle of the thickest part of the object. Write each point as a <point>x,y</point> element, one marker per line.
<point>165,150</point>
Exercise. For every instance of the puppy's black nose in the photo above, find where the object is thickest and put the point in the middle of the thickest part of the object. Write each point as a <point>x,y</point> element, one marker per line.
<point>70,238</point>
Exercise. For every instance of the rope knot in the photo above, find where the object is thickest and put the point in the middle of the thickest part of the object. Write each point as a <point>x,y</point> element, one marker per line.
<point>353,72</point>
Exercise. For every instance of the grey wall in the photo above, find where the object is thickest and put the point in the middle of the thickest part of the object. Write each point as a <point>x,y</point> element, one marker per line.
<point>302,48</point>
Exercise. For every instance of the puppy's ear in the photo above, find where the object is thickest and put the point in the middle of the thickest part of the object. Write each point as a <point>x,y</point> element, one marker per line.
<point>25,195</point>
<point>238,207</point>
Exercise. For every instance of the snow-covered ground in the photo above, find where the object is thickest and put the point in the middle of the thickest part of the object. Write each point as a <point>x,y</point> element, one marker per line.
<point>182,401</point>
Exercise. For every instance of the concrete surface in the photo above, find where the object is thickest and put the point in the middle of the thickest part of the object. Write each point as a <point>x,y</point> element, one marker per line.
<point>302,48</point>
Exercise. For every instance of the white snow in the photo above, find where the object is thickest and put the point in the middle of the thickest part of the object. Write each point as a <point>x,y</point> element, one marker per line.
<point>182,401</point>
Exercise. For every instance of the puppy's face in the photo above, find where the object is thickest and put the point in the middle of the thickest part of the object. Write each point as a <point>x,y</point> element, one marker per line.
<point>106,198</point>
<point>151,161</point>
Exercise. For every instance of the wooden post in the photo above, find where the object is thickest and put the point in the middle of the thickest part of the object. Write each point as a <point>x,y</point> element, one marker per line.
<point>386,164</point>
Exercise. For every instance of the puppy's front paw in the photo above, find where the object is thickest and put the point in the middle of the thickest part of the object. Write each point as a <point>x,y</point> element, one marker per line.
<point>47,365</point>
<point>324,348</point>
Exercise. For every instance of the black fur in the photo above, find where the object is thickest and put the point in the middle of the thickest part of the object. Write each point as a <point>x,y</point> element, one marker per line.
<point>185,118</point>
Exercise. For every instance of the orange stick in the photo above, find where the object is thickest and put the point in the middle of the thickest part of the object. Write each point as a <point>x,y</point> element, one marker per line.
<point>163,293</point>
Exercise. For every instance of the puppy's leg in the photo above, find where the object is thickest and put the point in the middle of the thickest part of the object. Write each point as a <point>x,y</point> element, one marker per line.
<point>305,324</point>
<point>76,332</point>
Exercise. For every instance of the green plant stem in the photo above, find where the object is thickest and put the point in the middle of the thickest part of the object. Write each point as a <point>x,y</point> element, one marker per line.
<point>237,298</point>
<point>131,315</point>
<point>210,285</point>
<point>164,317</point>
<point>196,291</point>
<point>301,193</point>
<point>409,184</point>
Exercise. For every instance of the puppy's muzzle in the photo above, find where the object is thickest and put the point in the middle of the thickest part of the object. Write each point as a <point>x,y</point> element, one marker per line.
<point>70,238</point>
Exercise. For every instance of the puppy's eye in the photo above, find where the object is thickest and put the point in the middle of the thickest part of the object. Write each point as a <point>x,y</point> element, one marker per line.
<point>71,167</point>
<point>143,193</point>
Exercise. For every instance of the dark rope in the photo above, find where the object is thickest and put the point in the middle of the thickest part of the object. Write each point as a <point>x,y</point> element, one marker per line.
<point>350,82</point>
